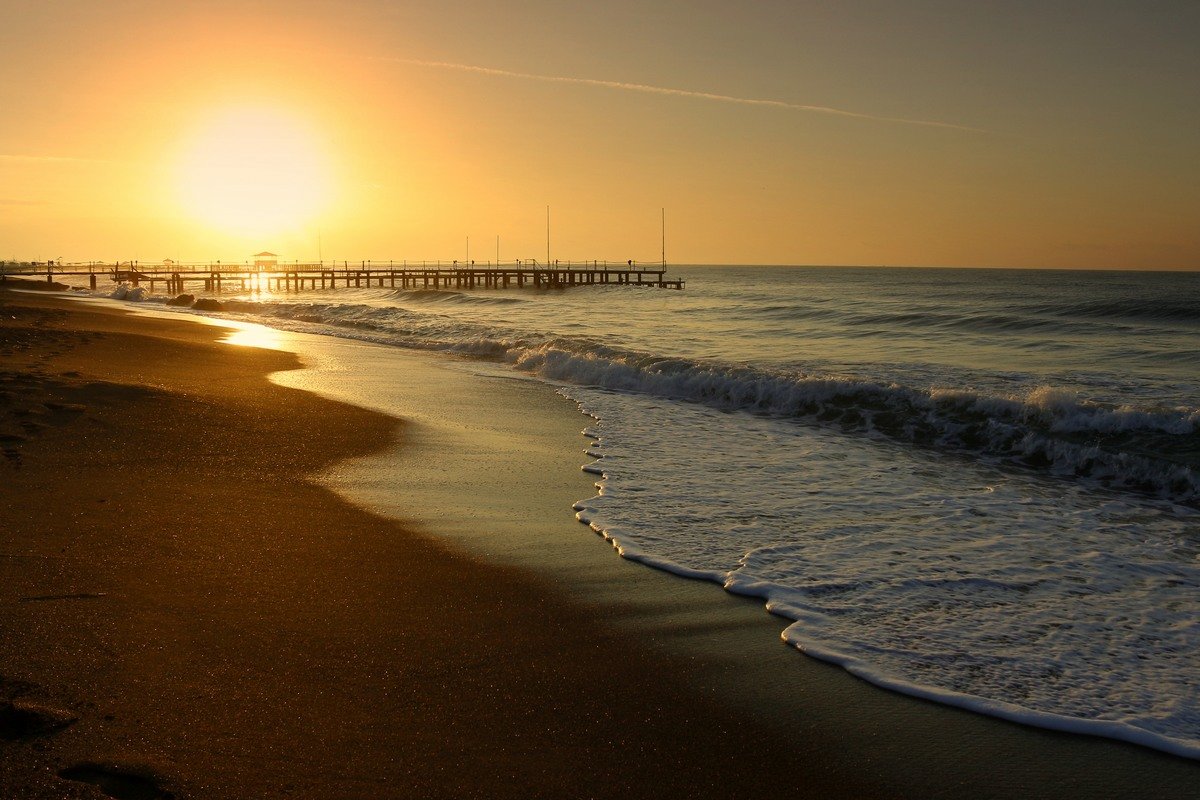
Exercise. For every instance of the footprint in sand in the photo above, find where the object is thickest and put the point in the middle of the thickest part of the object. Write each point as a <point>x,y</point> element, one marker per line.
<point>25,720</point>
<point>122,783</point>
<point>75,408</point>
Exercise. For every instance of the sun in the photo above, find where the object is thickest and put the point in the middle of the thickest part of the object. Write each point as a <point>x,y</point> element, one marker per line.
<point>254,171</point>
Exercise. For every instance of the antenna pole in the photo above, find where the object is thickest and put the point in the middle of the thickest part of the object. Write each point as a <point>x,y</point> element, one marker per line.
<point>547,236</point>
<point>664,238</point>
<point>468,262</point>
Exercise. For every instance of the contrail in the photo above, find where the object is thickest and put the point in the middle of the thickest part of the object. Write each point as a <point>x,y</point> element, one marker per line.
<point>663,90</point>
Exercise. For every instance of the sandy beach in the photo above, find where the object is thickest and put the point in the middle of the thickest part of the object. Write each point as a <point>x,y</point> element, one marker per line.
<point>218,626</point>
<point>188,613</point>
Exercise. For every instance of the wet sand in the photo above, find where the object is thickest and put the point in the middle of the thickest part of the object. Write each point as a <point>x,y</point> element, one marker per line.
<point>185,612</point>
<point>219,626</point>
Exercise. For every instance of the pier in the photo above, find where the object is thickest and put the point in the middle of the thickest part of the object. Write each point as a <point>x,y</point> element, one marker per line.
<point>215,277</point>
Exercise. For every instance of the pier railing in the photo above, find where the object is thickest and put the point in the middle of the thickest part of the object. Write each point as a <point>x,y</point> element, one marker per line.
<point>216,276</point>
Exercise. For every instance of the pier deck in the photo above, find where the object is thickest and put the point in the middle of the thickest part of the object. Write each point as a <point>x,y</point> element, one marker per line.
<point>298,277</point>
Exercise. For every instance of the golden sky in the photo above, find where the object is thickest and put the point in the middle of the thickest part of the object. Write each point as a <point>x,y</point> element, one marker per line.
<point>1057,134</point>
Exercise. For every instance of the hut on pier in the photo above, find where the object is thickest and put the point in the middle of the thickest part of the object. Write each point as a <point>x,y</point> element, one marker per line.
<point>265,261</point>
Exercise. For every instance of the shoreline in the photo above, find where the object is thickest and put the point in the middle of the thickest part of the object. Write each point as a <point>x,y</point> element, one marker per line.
<point>185,603</point>
<point>817,726</point>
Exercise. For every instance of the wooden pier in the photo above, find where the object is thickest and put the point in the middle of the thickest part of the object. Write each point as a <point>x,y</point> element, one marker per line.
<point>296,277</point>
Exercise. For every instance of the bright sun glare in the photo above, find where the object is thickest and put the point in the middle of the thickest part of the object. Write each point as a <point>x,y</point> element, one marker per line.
<point>254,172</point>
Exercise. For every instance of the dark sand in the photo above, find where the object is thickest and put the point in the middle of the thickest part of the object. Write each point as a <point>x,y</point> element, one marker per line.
<point>183,612</point>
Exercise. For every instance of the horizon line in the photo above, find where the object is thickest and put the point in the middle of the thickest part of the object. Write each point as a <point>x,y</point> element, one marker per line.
<point>584,263</point>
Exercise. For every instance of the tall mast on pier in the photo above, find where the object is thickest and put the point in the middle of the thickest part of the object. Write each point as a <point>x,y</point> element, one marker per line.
<point>664,238</point>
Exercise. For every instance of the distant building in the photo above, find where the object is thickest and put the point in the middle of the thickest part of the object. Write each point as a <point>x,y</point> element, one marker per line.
<point>265,260</point>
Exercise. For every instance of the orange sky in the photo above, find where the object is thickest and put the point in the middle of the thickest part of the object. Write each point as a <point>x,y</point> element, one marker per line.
<point>789,133</point>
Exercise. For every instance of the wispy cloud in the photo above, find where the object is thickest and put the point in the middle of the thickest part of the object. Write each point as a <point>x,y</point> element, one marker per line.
<point>32,159</point>
<point>664,90</point>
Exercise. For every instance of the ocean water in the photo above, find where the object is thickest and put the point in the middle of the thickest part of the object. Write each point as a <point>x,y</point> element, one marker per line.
<point>980,487</point>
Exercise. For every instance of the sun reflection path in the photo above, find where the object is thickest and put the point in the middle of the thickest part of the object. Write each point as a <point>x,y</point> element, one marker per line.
<point>246,334</point>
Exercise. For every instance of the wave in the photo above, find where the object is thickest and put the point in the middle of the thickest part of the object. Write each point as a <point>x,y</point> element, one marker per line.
<point>452,297</point>
<point>1149,450</point>
<point>133,294</point>
<point>952,321</point>
<point>1064,317</point>
<point>1141,309</point>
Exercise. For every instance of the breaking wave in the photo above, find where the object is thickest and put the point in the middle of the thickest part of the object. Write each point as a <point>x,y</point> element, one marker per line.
<point>1154,450</point>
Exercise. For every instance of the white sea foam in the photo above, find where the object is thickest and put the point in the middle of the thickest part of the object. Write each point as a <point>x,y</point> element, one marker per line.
<point>133,294</point>
<point>1039,602</point>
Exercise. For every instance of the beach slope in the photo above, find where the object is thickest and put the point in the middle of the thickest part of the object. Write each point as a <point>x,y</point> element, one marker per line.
<point>185,613</point>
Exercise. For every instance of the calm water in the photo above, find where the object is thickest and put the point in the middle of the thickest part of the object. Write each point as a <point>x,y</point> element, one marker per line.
<point>977,486</point>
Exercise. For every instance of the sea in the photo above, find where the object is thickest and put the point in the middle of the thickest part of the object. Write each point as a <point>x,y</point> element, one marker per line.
<point>976,486</point>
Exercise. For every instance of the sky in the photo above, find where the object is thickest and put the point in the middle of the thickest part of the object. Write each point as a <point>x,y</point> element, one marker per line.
<point>1018,134</point>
